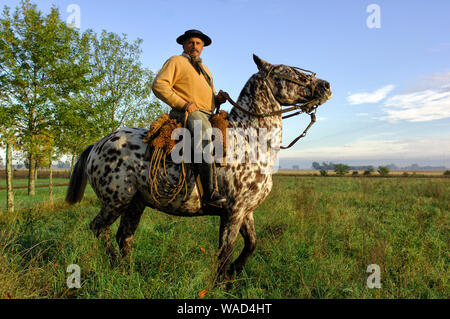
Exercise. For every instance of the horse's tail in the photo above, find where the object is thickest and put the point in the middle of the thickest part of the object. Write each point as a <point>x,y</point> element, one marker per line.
<point>78,180</point>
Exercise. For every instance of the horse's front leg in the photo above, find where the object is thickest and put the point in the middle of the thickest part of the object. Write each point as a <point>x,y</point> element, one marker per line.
<point>248,233</point>
<point>229,229</point>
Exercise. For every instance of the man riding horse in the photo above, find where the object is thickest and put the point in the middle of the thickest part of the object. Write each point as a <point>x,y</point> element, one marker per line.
<point>186,85</point>
<point>116,168</point>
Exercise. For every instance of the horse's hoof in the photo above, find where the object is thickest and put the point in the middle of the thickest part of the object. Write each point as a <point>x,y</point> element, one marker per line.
<point>94,229</point>
<point>223,282</point>
<point>113,262</point>
<point>111,253</point>
<point>228,286</point>
<point>224,285</point>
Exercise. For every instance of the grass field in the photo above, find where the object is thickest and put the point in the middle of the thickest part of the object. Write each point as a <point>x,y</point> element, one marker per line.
<point>316,237</point>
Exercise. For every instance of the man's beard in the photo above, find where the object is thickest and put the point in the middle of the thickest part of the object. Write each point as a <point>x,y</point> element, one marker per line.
<point>196,61</point>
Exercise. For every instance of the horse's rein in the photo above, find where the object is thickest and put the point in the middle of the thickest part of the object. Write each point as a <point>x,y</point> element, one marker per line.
<point>308,107</point>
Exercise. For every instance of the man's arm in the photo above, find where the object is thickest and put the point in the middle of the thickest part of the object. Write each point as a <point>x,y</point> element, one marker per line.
<point>220,98</point>
<point>163,83</point>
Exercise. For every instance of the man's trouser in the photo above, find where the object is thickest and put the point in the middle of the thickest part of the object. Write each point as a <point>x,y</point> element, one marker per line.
<point>198,143</point>
<point>198,146</point>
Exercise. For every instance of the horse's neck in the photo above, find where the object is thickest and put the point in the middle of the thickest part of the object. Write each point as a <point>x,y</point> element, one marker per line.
<point>256,97</point>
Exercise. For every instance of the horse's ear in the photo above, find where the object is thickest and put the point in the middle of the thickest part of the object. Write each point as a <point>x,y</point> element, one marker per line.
<point>260,63</point>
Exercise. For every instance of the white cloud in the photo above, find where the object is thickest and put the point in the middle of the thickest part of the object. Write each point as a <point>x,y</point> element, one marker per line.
<point>439,47</point>
<point>426,105</point>
<point>429,82</point>
<point>373,97</point>
<point>426,99</point>
<point>424,147</point>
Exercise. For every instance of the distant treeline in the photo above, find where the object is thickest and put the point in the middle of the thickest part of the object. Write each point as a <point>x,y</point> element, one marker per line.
<point>414,167</point>
<point>331,166</point>
<point>58,165</point>
<point>42,173</point>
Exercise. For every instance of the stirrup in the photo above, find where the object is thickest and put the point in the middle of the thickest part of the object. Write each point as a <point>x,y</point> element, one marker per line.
<point>215,200</point>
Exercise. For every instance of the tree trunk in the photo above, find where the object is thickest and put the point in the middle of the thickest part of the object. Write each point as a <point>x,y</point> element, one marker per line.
<point>50,179</point>
<point>72,164</point>
<point>9,179</point>
<point>31,175</point>
<point>36,171</point>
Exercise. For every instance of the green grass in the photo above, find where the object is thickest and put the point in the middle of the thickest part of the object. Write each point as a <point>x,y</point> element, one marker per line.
<point>316,237</point>
<point>23,201</point>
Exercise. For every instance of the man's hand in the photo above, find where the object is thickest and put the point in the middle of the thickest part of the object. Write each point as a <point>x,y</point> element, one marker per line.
<point>191,107</point>
<point>221,97</point>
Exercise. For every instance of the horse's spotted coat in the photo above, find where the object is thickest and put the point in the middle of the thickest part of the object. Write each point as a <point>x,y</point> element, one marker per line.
<point>119,176</point>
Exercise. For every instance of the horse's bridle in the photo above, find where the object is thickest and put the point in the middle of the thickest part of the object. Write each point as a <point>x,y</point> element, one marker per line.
<point>309,77</point>
<point>308,107</point>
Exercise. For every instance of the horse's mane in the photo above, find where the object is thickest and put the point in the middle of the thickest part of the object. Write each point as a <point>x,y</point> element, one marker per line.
<point>246,97</point>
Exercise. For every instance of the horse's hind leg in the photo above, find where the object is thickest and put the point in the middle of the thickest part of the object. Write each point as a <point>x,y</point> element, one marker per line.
<point>248,232</point>
<point>128,224</point>
<point>101,226</point>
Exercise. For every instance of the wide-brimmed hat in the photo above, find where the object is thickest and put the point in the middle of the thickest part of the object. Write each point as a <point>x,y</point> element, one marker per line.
<point>194,33</point>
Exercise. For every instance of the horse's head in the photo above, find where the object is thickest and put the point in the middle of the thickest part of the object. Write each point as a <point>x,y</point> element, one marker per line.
<point>292,85</point>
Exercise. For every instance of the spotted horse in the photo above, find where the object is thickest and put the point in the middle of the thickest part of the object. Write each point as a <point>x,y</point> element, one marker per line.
<point>116,169</point>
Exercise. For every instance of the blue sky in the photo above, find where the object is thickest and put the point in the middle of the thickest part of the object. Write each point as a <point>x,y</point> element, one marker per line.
<point>391,85</point>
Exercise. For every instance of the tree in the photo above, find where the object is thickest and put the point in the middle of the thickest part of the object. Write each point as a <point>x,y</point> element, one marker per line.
<point>341,169</point>
<point>7,130</point>
<point>119,94</point>
<point>316,165</point>
<point>383,170</point>
<point>328,166</point>
<point>123,92</point>
<point>369,171</point>
<point>39,64</point>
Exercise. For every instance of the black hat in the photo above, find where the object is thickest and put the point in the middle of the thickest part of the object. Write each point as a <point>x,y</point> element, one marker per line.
<point>194,33</point>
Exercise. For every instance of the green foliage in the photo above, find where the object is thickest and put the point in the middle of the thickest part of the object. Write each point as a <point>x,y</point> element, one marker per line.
<point>383,170</point>
<point>447,173</point>
<point>40,65</point>
<point>61,90</point>
<point>316,165</point>
<point>119,93</point>
<point>369,171</point>
<point>123,86</point>
<point>341,169</point>
<point>323,172</point>
<point>354,173</point>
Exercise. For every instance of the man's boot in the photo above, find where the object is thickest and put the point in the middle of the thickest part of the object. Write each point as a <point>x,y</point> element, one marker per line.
<point>210,196</point>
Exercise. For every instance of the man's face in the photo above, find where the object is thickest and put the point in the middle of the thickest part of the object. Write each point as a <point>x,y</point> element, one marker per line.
<point>193,46</point>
